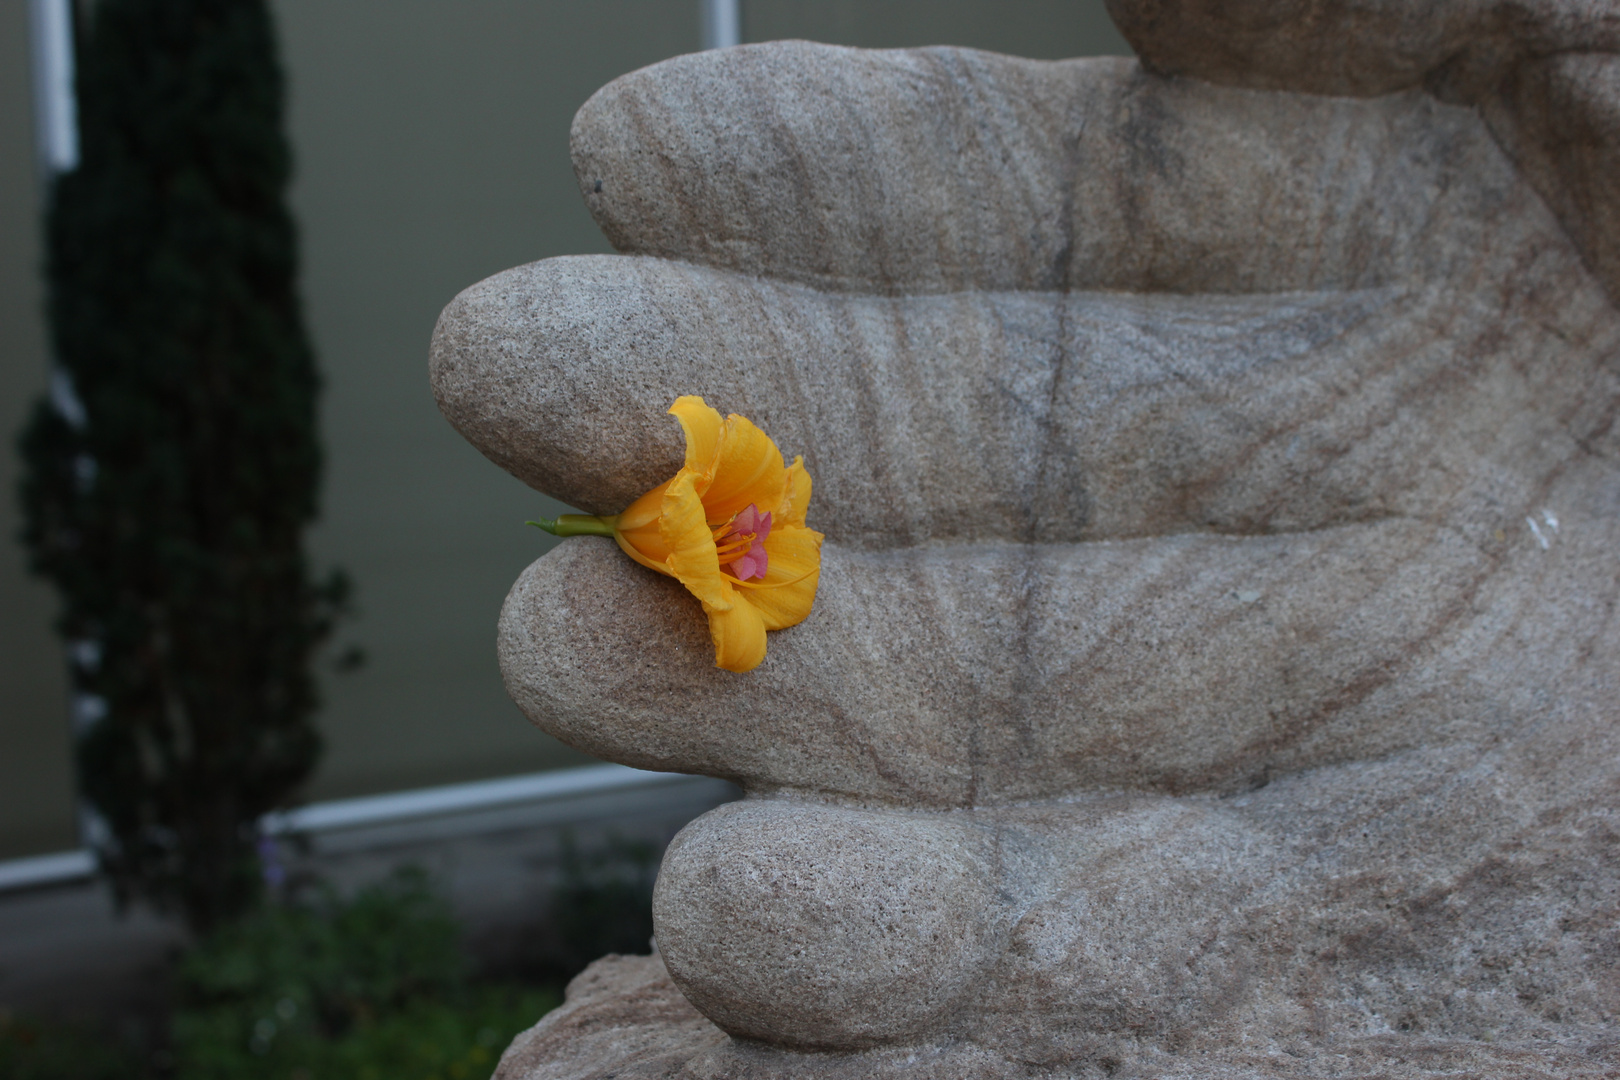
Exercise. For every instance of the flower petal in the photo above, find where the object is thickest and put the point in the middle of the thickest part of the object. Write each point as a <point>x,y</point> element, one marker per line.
<point>796,498</point>
<point>795,553</point>
<point>702,425</point>
<point>686,534</point>
<point>739,636</point>
<point>737,628</point>
<point>747,469</point>
<point>639,532</point>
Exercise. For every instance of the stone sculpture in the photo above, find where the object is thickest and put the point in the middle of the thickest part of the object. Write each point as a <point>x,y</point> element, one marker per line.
<point>1215,663</point>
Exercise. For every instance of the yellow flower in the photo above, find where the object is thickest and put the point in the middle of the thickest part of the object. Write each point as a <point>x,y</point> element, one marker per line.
<point>730,526</point>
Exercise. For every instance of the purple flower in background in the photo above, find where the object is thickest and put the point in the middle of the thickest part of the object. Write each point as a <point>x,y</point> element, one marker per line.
<point>275,874</point>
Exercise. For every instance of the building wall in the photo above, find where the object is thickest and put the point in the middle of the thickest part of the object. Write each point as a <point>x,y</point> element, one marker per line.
<point>432,151</point>
<point>36,801</point>
<point>1040,29</point>
<point>431,143</point>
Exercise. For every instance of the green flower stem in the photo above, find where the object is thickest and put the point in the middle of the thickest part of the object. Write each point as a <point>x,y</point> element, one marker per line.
<point>575,525</point>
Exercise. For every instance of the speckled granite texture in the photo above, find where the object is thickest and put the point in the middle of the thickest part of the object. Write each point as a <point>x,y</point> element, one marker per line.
<point>624,1020</point>
<point>1215,669</point>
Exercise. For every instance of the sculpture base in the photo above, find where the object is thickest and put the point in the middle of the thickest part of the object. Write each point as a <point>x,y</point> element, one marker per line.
<point>625,1019</point>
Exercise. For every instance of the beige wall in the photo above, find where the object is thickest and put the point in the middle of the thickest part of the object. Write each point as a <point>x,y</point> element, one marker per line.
<point>1042,29</point>
<point>432,150</point>
<point>36,802</point>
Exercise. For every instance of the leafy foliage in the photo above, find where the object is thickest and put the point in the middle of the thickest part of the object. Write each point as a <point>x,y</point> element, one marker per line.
<point>434,1040</point>
<point>33,1051</point>
<point>601,903</point>
<point>333,963</point>
<point>370,986</point>
<point>174,466</point>
<point>373,986</point>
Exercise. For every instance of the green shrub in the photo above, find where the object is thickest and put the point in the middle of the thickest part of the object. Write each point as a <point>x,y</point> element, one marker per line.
<point>31,1050</point>
<point>601,903</point>
<point>458,1039</point>
<point>173,469</point>
<point>372,986</point>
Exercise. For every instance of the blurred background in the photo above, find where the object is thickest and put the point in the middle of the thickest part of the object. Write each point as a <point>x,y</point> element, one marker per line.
<point>430,150</point>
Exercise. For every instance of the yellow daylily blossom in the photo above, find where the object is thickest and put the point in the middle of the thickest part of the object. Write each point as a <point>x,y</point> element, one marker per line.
<point>729,526</point>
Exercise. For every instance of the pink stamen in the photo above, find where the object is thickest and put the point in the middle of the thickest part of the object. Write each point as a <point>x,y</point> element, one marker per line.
<point>746,533</point>
<point>750,520</point>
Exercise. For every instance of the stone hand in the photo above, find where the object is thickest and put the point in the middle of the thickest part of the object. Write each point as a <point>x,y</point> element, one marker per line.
<point>1220,494</point>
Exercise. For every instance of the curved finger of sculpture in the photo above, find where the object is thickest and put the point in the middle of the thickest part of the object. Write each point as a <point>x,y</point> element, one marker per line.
<point>1045,366</point>
<point>1130,928</point>
<point>1360,47</point>
<point>828,928</point>
<point>1176,665</point>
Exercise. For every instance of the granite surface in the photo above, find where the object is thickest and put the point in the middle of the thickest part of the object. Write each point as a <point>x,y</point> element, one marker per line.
<point>1215,664</point>
<point>624,1020</point>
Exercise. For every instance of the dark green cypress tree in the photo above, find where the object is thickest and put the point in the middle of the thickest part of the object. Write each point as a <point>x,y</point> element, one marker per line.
<point>170,475</point>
